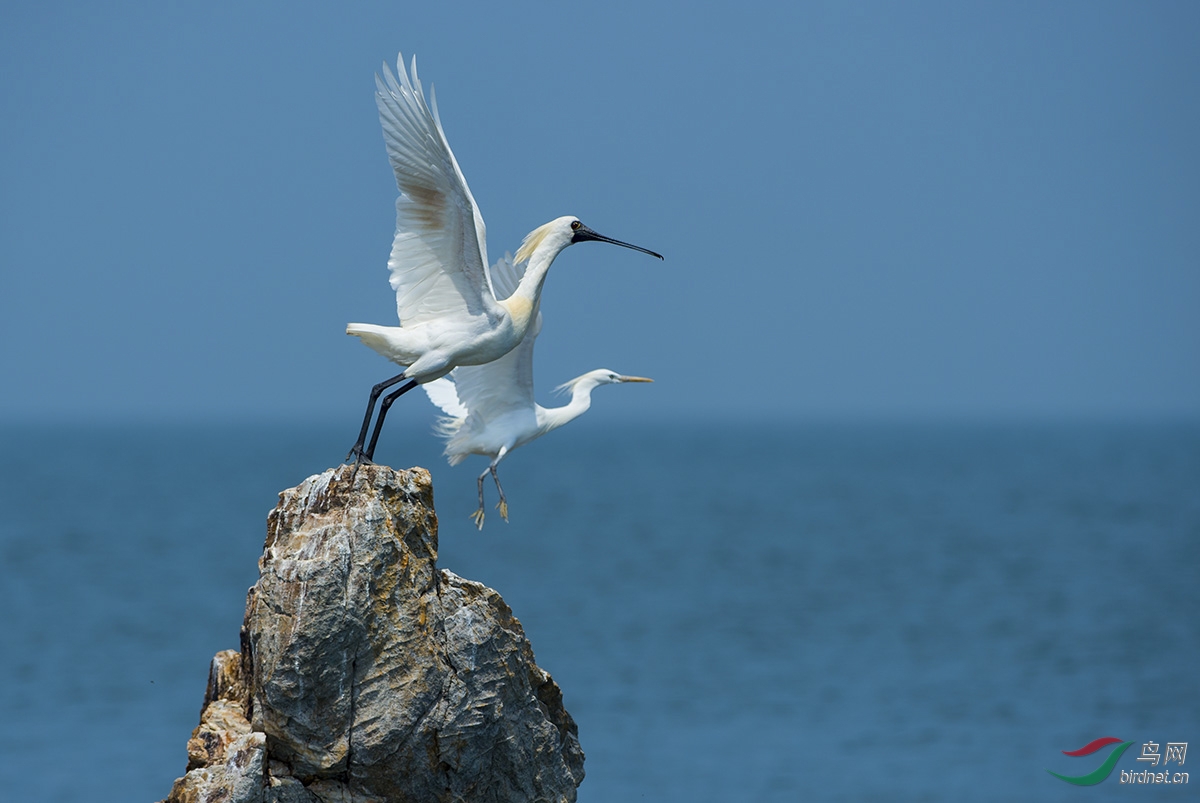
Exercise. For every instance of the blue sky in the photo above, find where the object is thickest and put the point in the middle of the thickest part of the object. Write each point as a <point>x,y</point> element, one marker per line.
<point>877,209</point>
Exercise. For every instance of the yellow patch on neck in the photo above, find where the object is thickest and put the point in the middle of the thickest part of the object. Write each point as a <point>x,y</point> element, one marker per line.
<point>532,240</point>
<point>520,308</point>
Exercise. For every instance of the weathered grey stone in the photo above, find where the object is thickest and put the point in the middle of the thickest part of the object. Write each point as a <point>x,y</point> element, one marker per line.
<point>369,675</point>
<point>225,757</point>
<point>286,789</point>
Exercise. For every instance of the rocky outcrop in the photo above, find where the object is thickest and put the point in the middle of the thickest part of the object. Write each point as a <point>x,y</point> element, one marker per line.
<point>368,674</point>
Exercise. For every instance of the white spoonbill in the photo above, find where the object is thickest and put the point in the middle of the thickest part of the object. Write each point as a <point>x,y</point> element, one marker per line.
<point>450,314</point>
<point>490,408</point>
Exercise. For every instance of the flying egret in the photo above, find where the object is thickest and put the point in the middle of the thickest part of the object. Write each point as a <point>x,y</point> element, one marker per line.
<point>449,312</point>
<point>490,408</point>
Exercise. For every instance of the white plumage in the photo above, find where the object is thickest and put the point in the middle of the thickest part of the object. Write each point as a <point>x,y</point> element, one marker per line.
<point>490,409</point>
<point>450,315</point>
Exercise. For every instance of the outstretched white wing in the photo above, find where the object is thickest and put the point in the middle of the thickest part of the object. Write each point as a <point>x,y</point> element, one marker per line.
<point>506,276</point>
<point>485,392</point>
<point>439,253</point>
<point>444,395</point>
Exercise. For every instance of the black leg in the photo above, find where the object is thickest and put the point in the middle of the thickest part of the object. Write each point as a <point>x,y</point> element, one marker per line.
<point>356,451</point>
<point>477,516</point>
<point>502,505</point>
<point>369,454</point>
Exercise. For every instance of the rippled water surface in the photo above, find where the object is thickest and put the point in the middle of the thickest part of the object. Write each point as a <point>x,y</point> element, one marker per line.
<point>828,612</point>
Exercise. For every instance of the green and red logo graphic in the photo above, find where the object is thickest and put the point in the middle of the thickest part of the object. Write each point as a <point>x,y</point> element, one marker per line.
<point>1104,770</point>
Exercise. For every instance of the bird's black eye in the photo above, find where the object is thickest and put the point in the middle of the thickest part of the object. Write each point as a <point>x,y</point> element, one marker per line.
<point>575,224</point>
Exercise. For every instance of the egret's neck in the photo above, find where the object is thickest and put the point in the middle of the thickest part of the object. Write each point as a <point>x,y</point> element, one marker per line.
<point>555,417</point>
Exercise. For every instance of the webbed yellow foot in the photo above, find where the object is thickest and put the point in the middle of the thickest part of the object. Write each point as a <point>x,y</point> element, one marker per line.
<point>477,516</point>
<point>503,507</point>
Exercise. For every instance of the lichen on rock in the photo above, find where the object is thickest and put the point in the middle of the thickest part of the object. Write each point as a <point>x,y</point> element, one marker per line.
<point>367,673</point>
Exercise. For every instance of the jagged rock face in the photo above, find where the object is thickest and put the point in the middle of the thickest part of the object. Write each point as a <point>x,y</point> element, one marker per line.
<point>372,675</point>
<point>225,756</point>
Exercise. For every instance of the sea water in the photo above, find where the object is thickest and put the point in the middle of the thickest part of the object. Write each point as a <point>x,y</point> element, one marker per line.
<point>810,612</point>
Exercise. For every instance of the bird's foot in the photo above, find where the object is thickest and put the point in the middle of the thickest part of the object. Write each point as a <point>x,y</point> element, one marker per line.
<point>358,455</point>
<point>502,506</point>
<point>477,516</point>
<point>360,459</point>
